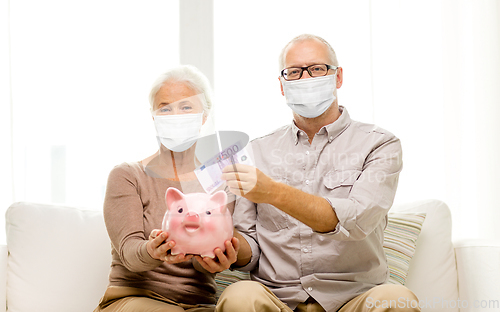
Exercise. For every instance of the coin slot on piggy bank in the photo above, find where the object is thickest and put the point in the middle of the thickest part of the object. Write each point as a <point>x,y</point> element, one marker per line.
<point>197,222</point>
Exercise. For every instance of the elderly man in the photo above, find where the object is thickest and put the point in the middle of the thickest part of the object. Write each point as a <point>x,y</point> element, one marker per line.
<point>311,217</point>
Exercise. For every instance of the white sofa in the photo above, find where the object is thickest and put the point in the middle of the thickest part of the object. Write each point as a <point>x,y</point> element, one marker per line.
<point>57,259</point>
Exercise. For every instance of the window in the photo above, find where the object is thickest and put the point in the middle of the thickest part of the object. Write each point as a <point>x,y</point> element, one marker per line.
<point>81,75</point>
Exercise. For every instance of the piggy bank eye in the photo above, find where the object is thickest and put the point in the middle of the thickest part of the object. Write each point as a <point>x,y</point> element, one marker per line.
<point>208,212</point>
<point>180,210</point>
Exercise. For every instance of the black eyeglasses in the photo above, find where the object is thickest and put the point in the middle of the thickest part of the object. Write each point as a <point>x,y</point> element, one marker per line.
<point>318,70</point>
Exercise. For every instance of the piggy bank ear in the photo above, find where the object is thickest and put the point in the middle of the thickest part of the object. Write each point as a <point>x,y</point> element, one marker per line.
<point>220,199</point>
<point>173,195</point>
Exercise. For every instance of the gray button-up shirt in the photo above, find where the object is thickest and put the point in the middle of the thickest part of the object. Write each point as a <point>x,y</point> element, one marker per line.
<point>355,167</point>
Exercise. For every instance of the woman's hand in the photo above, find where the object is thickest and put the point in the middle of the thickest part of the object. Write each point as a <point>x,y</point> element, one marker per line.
<point>223,260</point>
<point>159,249</point>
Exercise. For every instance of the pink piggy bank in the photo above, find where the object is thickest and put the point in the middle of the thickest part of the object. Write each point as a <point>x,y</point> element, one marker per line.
<point>197,222</point>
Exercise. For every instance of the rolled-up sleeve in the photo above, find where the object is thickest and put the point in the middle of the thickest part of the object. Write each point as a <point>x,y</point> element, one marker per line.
<point>372,192</point>
<point>244,219</point>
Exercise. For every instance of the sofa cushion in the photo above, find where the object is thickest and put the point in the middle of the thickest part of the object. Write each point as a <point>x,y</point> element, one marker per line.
<point>400,241</point>
<point>58,259</point>
<point>227,277</point>
<point>433,272</point>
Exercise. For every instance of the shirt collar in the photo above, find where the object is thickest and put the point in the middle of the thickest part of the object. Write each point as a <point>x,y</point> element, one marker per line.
<point>296,132</point>
<point>331,130</point>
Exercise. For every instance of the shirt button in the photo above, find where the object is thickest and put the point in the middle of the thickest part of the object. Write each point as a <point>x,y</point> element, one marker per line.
<point>307,182</point>
<point>305,250</point>
<point>309,288</point>
<point>307,152</point>
<point>331,138</point>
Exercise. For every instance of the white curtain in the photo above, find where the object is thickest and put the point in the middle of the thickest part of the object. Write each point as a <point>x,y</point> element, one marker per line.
<point>6,191</point>
<point>471,110</point>
<point>436,69</point>
<point>78,75</point>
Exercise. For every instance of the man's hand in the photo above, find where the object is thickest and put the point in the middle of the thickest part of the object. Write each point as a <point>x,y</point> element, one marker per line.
<point>248,182</point>
<point>223,260</point>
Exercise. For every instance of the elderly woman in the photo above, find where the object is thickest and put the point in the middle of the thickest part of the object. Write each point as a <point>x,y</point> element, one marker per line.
<point>144,275</point>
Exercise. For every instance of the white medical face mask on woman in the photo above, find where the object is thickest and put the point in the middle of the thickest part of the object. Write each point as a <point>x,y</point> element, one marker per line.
<point>178,132</point>
<point>310,97</point>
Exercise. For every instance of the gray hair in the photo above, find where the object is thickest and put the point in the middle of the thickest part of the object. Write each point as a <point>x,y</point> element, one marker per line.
<point>190,76</point>
<point>303,37</point>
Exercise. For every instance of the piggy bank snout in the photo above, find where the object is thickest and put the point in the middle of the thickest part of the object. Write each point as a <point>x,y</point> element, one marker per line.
<point>191,221</point>
<point>192,217</point>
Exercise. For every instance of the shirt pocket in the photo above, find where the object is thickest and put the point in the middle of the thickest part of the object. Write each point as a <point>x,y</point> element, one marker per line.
<point>271,218</point>
<point>339,182</point>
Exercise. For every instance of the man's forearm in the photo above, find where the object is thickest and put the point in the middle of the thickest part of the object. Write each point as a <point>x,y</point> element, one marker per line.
<point>245,251</point>
<point>311,210</point>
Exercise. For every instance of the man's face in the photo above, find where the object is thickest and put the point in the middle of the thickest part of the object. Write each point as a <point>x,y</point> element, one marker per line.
<point>309,52</point>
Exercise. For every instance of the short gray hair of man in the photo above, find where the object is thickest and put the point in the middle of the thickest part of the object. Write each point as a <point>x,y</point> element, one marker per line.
<point>303,37</point>
<point>191,77</point>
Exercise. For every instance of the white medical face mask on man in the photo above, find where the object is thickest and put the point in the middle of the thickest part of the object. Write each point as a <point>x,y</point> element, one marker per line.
<point>310,97</point>
<point>178,132</point>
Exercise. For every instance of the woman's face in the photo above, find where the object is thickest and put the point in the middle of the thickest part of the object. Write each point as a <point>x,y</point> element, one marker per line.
<point>177,98</point>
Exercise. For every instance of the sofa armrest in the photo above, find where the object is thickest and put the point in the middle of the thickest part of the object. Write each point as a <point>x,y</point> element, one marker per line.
<point>478,266</point>
<point>3,277</point>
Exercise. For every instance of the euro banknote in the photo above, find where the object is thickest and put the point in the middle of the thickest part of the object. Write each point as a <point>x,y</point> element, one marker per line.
<point>209,174</point>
